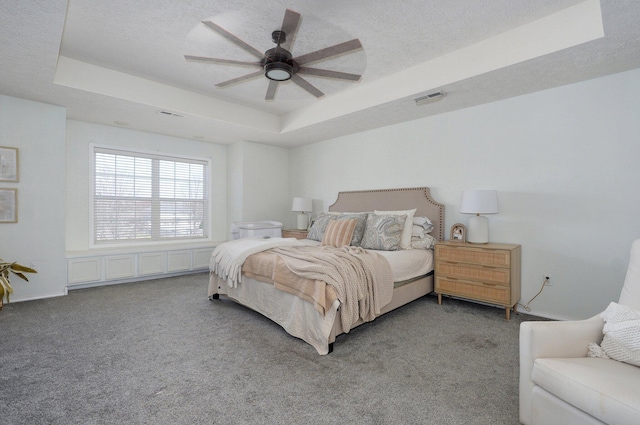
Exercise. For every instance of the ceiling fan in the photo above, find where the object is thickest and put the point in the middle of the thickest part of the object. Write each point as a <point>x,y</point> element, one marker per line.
<point>278,64</point>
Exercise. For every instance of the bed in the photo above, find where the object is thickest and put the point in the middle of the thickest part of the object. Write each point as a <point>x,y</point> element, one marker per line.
<point>317,325</point>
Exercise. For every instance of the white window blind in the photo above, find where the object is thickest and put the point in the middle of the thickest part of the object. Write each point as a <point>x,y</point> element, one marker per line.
<point>141,197</point>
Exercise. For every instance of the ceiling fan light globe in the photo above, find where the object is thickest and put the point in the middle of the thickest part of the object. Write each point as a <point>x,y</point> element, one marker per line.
<point>278,71</point>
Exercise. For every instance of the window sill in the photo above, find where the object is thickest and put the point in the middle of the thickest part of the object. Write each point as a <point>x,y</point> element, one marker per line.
<point>116,250</point>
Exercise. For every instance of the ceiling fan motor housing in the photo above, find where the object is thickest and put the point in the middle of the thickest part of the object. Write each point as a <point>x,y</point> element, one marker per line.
<point>278,63</point>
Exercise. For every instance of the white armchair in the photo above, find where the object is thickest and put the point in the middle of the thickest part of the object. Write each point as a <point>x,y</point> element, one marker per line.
<point>560,385</point>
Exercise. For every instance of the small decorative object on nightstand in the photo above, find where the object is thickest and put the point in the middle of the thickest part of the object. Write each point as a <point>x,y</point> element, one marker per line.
<point>295,233</point>
<point>458,233</point>
<point>489,273</point>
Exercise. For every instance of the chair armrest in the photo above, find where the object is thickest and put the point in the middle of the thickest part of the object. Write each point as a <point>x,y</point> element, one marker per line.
<point>565,339</point>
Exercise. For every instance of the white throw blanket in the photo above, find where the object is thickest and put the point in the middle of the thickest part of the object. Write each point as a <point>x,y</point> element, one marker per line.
<point>227,258</point>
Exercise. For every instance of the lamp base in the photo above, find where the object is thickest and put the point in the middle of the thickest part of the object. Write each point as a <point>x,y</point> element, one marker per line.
<point>303,221</point>
<point>478,230</point>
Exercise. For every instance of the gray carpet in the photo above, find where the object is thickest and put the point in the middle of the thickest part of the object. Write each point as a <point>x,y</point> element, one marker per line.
<point>159,352</point>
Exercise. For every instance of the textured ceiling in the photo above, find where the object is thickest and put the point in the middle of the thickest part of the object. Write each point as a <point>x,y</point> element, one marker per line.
<point>122,61</point>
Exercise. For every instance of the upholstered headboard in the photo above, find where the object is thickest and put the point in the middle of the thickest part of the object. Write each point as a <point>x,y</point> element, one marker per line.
<point>394,199</point>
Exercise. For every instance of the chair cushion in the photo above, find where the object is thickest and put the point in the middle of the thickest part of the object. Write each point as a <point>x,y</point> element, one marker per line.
<point>606,389</point>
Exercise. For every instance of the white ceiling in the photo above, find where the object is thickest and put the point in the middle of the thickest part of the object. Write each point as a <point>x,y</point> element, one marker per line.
<point>119,62</point>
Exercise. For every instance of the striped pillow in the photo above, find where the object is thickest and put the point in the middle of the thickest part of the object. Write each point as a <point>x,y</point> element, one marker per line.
<point>339,233</point>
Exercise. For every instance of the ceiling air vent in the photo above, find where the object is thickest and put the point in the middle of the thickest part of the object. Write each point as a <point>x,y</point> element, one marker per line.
<point>171,114</point>
<point>430,98</point>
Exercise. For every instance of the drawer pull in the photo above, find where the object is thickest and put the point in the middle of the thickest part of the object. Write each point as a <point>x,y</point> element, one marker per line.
<point>488,284</point>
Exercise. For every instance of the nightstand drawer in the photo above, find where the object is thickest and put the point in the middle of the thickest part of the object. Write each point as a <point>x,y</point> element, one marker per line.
<point>483,256</point>
<point>475,290</point>
<point>496,275</point>
<point>481,272</point>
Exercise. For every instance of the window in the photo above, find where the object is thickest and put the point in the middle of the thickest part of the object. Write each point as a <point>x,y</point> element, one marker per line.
<point>141,197</point>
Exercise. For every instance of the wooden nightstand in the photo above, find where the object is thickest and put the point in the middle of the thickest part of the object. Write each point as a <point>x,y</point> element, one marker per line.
<point>483,272</point>
<point>295,233</point>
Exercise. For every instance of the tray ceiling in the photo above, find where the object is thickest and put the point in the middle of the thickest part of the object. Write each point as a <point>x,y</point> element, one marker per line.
<point>120,62</point>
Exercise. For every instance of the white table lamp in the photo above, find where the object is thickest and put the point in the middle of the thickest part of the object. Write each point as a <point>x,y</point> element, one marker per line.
<point>302,206</point>
<point>478,202</point>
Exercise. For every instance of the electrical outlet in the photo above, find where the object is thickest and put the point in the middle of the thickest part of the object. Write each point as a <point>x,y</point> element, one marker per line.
<point>547,280</point>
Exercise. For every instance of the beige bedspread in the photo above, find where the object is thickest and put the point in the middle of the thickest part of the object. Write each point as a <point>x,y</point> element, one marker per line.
<point>269,267</point>
<point>362,280</point>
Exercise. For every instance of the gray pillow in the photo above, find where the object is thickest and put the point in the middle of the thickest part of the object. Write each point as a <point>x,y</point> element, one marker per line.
<point>383,232</point>
<point>319,226</point>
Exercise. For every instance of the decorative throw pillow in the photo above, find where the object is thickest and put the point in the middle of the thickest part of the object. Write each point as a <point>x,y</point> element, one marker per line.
<point>423,242</point>
<point>621,334</point>
<point>339,233</point>
<point>319,226</point>
<point>423,222</point>
<point>383,232</point>
<point>408,225</point>
<point>361,220</point>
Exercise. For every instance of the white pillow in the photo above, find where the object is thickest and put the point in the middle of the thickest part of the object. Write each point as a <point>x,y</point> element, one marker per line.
<point>423,222</point>
<point>405,241</point>
<point>621,334</point>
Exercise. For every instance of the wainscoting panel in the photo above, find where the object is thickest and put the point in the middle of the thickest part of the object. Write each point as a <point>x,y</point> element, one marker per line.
<point>119,266</point>
<point>80,270</point>
<point>151,263</point>
<point>179,260</point>
<point>87,269</point>
<point>201,257</point>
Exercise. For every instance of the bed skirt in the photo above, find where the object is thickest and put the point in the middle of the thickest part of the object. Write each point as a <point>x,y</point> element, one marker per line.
<point>298,317</point>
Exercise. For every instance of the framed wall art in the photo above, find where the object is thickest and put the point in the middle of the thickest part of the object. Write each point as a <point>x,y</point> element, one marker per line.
<point>8,164</point>
<point>458,233</point>
<point>8,205</point>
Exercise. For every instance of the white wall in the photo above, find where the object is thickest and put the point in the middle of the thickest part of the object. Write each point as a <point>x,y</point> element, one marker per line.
<point>564,163</point>
<point>259,183</point>
<point>79,137</point>
<point>38,131</point>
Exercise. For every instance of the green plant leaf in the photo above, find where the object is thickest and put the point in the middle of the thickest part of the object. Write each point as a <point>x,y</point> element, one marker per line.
<point>5,284</point>
<point>20,275</point>
<point>6,287</point>
<point>15,267</point>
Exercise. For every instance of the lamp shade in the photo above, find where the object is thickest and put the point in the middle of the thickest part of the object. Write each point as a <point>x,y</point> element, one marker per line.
<point>302,204</point>
<point>479,202</point>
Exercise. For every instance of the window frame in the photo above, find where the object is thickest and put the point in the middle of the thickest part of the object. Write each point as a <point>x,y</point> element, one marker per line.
<point>123,243</point>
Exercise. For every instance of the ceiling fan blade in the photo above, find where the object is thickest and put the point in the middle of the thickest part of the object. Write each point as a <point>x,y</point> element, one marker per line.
<point>240,79</point>
<point>222,61</point>
<point>226,34</point>
<point>306,85</point>
<point>290,25</point>
<point>271,90</point>
<point>328,52</point>
<point>329,74</point>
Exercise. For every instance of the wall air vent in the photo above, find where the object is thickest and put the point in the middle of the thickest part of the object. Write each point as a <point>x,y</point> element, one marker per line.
<point>430,98</point>
<point>171,114</point>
